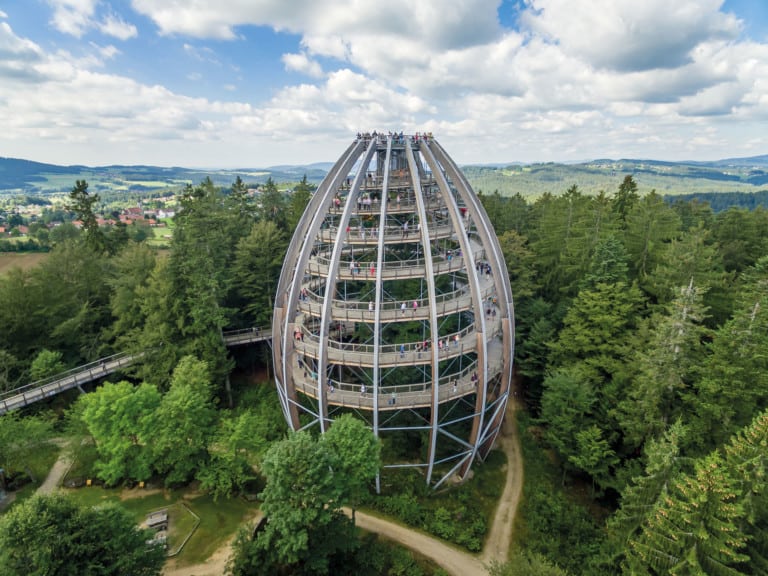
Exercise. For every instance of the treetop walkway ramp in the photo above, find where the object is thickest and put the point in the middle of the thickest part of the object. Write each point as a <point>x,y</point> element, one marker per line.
<point>53,385</point>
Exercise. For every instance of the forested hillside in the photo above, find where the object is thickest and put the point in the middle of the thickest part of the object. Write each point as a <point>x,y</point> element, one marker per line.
<point>735,175</point>
<point>26,177</point>
<point>642,327</point>
<point>744,175</point>
<point>641,337</point>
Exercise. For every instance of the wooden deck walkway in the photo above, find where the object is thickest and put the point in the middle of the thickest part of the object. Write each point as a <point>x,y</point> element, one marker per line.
<point>36,391</point>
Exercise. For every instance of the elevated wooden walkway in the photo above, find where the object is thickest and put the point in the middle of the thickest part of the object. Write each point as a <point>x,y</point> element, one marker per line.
<point>36,391</point>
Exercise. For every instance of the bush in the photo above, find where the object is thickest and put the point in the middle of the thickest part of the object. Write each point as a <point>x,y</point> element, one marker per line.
<point>459,514</point>
<point>403,506</point>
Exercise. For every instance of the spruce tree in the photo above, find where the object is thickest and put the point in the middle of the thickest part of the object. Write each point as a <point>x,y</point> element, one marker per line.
<point>734,386</point>
<point>695,529</point>
<point>665,368</point>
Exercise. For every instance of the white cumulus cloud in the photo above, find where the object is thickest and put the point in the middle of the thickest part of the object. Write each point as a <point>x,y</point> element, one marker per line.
<point>574,79</point>
<point>72,16</point>
<point>114,25</point>
<point>302,63</point>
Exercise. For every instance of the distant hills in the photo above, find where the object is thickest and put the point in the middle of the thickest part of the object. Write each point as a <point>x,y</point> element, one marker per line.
<point>743,175</point>
<point>27,177</point>
<point>667,178</point>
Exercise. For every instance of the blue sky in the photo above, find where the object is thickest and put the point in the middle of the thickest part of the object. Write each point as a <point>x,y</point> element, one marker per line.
<point>250,83</point>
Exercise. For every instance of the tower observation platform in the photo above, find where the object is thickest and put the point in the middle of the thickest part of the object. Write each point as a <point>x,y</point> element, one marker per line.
<point>394,303</point>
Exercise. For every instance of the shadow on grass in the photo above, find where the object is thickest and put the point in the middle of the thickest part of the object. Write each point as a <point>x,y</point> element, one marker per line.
<point>39,462</point>
<point>218,520</point>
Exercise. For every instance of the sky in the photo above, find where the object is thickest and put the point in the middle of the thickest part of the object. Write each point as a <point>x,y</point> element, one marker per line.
<point>256,83</point>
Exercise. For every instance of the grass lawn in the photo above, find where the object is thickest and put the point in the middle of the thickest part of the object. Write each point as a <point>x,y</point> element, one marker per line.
<point>218,523</point>
<point>218,520</point>
<point>182,523</point>
<point>159,237</point>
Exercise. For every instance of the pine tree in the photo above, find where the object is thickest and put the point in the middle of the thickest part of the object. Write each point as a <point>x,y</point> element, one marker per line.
<point>567,406</point>
<point>740,234</point>
<point>592,225</point>
<point>639,499</point>
<point>693,257</point>
<point>558,219</point>
<point>298,202</point>
<point>82,203</point>
<point>625,199</point>
<point>273,204</point>
<point>695,527</point>
<point>597,326</point>
<point>665,368</point>
<point>734,386</point>
<point>746,458</point>
<point>256,269</point>
<point>651,225</point>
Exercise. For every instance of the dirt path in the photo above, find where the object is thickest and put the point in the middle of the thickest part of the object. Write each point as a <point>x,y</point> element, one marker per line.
<point>455,561</point>
<point>60,467</point>
<point>500,535</point>
<point>214,566</point>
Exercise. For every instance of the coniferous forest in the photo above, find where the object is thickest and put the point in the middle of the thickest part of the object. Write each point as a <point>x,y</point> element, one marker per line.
<point>641,340</point>
<point>641,357</point>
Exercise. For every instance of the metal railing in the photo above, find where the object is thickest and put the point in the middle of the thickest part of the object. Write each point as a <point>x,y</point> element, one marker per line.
<point>74,377</point>
<point>247,335</point>
<point>393,355</point>
<point>25,395</point>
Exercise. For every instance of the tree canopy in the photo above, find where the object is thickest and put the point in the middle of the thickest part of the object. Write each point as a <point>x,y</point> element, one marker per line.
<point>308,482</point>
<point>51,535</point>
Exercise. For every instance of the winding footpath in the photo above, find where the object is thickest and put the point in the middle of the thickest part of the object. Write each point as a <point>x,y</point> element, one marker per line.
<point>455,561</point>
<point>58,470</point>
<point>500,535</point>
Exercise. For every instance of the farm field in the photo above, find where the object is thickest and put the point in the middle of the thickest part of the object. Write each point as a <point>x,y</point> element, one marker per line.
<point>25,260</point>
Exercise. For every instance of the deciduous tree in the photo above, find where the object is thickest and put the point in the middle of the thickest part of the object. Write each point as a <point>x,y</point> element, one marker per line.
<point>357,455</point>
<point>301,502</point>
<point>46,363</point>
<point>184,422</point>
<point>121,418</point>
<point>19,438</point>
<point>51,534</point>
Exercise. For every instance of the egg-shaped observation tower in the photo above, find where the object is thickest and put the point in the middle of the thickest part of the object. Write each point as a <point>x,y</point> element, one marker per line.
<point>394,303</point>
